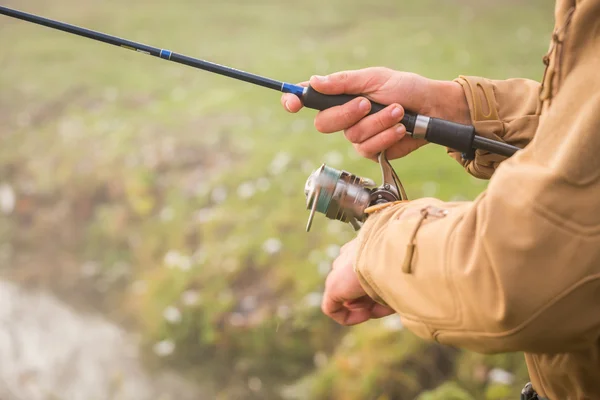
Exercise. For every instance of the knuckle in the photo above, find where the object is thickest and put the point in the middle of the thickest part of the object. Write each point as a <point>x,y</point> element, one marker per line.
<point>383,121</point>
<point>342,76</point>
<point>347,115</point>
<point>353,134</point>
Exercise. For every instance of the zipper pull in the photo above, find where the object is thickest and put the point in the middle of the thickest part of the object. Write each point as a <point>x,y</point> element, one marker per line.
<point>411,246</point>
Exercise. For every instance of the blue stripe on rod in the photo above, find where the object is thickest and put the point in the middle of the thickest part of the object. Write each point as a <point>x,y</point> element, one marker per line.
<point>294,89</point>
<point>166,54</point>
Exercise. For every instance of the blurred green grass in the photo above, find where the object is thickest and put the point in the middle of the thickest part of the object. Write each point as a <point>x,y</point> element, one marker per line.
<point>134,159</point>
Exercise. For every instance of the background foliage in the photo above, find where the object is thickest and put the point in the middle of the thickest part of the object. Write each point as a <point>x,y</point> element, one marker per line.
<point>171,199</point>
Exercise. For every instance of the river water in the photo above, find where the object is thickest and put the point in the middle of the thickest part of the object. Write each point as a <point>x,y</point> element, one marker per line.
<point>48,351</point>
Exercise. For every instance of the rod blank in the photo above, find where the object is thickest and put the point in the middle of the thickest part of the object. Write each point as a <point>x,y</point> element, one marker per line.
<point>445,130</point>
<point>145,49</point>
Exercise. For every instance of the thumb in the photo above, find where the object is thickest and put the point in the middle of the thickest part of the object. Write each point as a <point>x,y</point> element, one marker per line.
<point>360,81</point>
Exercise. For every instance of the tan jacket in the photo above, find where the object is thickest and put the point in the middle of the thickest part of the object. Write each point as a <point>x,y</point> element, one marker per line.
<point>518,269</point>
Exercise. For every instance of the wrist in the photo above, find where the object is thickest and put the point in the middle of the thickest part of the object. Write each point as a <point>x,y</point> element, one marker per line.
<point>448,101</point>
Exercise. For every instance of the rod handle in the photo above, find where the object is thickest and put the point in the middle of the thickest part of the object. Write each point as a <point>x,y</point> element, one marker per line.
<point>446,133</point>
<point>319,101</point>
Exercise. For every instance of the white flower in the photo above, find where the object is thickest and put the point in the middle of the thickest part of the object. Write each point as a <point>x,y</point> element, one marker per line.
<point>164,348</point>
<point>8,198</point>
<point>254,384</point>
<point>334,158</point>
<point>171,258</point>
<point>190,297</point>
<point>501,376</point>
<point>393,323</point>
<point>324,268</point>
<point>313,299</point>
<point>166,214</point>
<point>307,167</point>
<point>249,303</point>
<point>172,315</point>
<point>219,194</point>
<point>333,251</point>
<point>315,256</point>
<point>246,190</point>
<point>279,163</point>
<point>174,259</point>
<point>272,245</point>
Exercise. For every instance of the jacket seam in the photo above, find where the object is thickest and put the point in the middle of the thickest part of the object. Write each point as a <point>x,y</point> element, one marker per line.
<point>534,315</point>
<point>525,116</point>
<point>566,226</point>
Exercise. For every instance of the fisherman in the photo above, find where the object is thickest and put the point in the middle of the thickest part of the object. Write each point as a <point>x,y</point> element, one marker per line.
<point>518,268</point>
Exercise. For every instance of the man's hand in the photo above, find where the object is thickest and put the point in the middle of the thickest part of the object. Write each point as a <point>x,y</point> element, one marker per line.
<point>344,299</point>
<point>382,131</point>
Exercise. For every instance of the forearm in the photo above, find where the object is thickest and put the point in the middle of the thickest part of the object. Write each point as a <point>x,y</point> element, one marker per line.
<point>506,271</point>
<point>494,275</point>
<point>447,101</point>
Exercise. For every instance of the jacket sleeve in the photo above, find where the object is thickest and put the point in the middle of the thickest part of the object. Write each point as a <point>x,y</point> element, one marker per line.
<point>503,110</point>
<point>518,268</point>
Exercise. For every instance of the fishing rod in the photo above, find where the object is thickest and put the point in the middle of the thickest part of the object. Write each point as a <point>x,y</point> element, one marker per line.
<point>456,136</point>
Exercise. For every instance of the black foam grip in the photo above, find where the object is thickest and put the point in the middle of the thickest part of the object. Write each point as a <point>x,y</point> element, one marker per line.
<point>446,133</point>
<point>450,134</point>
<point>319,101</point>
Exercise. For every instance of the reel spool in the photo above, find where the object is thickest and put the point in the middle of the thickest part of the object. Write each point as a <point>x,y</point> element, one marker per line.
<point>343,196</point>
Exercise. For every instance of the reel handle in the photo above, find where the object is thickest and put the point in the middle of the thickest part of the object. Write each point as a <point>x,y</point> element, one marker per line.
<point>435,130</point>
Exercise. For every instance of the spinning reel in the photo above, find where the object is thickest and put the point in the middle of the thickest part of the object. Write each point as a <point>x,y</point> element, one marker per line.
<point>343,196</point>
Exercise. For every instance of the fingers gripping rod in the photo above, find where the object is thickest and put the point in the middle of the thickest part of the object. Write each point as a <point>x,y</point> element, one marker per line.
<point>450,134</point>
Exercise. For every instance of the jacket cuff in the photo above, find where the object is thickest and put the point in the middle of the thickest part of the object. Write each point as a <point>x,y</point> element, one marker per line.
<point>505,110</point>
<point>382,267</point>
